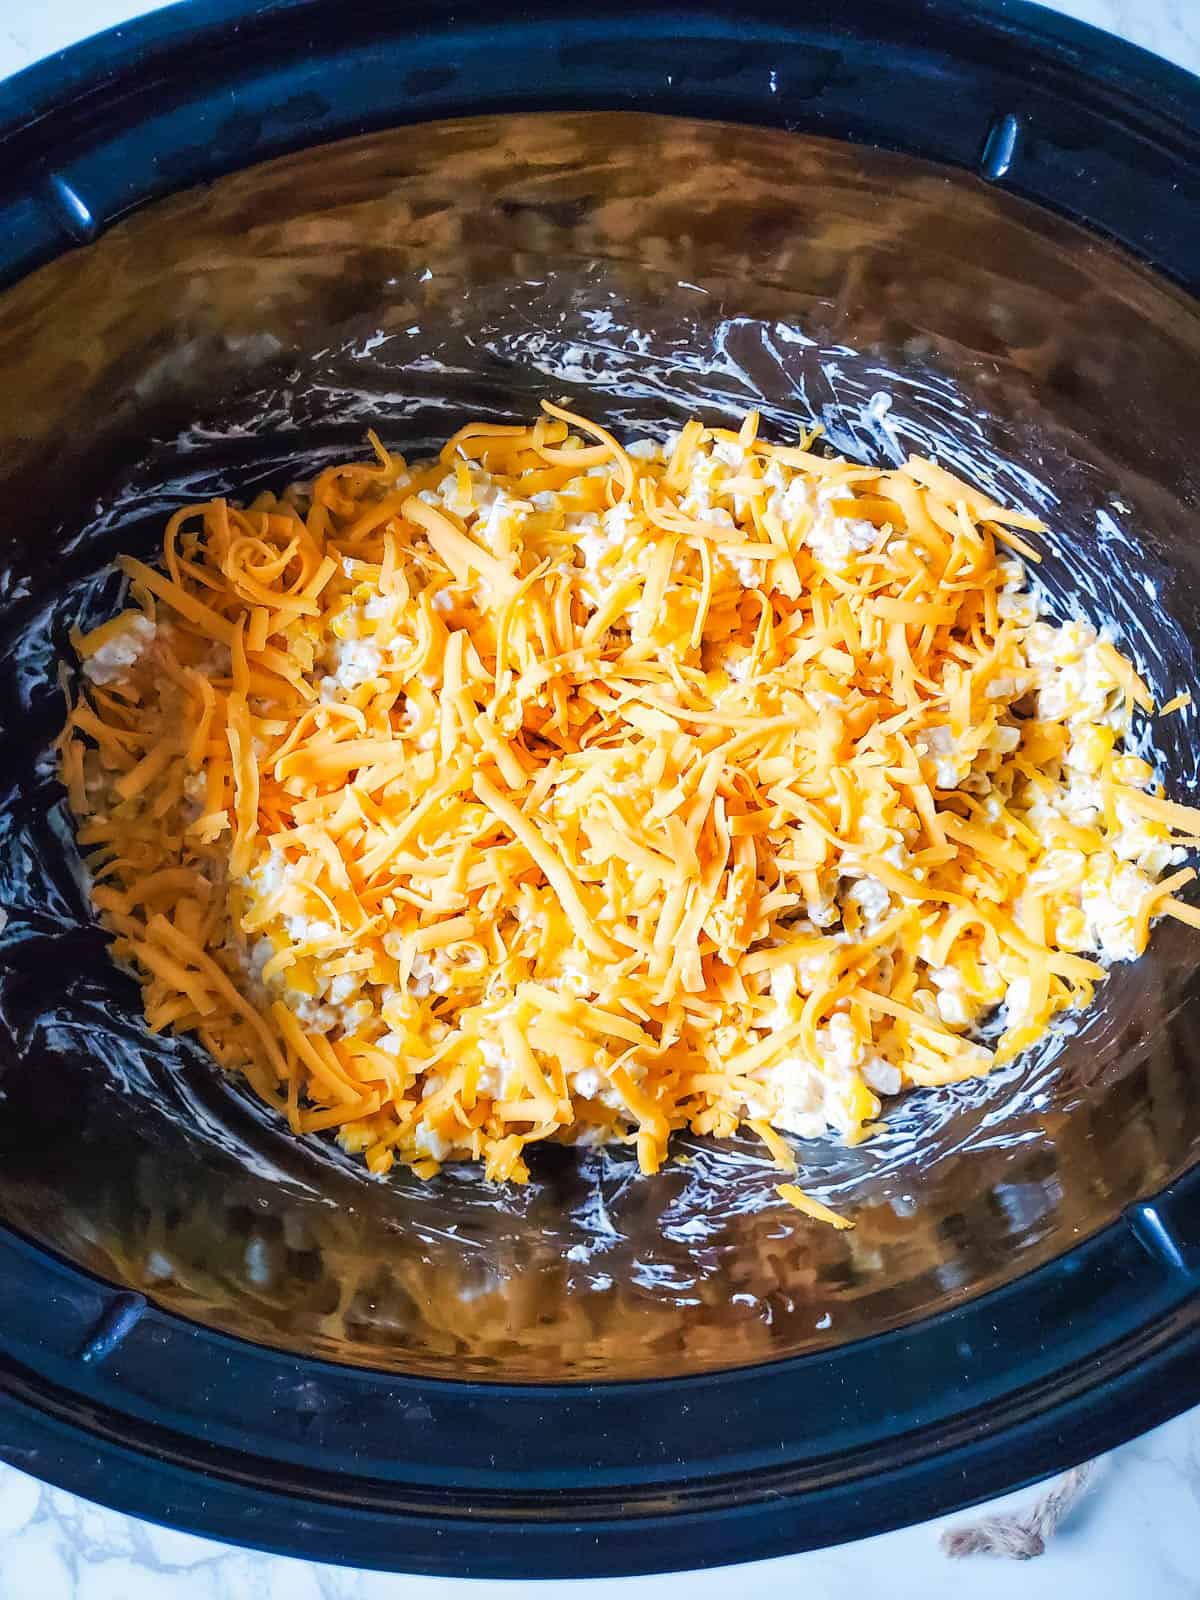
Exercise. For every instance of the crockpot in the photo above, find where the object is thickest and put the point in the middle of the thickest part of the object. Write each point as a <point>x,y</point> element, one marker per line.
<point>232,237</point>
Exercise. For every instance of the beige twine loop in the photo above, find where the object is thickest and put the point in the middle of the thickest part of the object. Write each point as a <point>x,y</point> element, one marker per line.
<point>1021,1536</point>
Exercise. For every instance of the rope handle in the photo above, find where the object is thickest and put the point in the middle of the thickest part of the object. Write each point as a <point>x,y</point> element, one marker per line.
<point>1021,1535</point>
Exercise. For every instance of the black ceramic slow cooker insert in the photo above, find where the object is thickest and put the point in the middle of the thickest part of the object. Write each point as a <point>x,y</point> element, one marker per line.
<point>235,236</point>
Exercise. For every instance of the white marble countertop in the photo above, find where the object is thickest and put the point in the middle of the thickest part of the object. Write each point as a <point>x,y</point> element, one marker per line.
<point>1136,1532</point>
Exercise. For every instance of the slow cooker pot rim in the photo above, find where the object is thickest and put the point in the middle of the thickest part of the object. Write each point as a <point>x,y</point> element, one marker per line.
<point>214,85</point>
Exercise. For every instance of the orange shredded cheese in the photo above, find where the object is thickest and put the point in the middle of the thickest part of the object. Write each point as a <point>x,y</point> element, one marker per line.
<point>563,789</point>
<point>810,1207</point>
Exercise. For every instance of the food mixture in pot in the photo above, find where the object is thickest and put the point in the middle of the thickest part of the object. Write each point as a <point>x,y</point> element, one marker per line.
<point>564,789</point>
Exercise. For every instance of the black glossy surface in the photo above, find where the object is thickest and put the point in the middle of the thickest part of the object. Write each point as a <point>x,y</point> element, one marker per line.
<point>1109,131</point>
<point>1058,367</point>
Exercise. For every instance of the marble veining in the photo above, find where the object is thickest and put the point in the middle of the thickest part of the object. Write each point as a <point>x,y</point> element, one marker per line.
<point>1134,1535</point>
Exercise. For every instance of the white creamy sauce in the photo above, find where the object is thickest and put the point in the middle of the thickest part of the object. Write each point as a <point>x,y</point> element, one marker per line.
<point>116,655</point>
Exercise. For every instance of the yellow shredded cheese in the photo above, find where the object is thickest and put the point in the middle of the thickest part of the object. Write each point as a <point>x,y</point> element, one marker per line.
<point>561,789</point>
<point>810,1207</point>
<point>1178,702</point>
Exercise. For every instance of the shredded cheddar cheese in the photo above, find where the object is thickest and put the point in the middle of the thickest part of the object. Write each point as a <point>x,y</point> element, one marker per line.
<point>561,790</point>
<point>810,1207</point>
